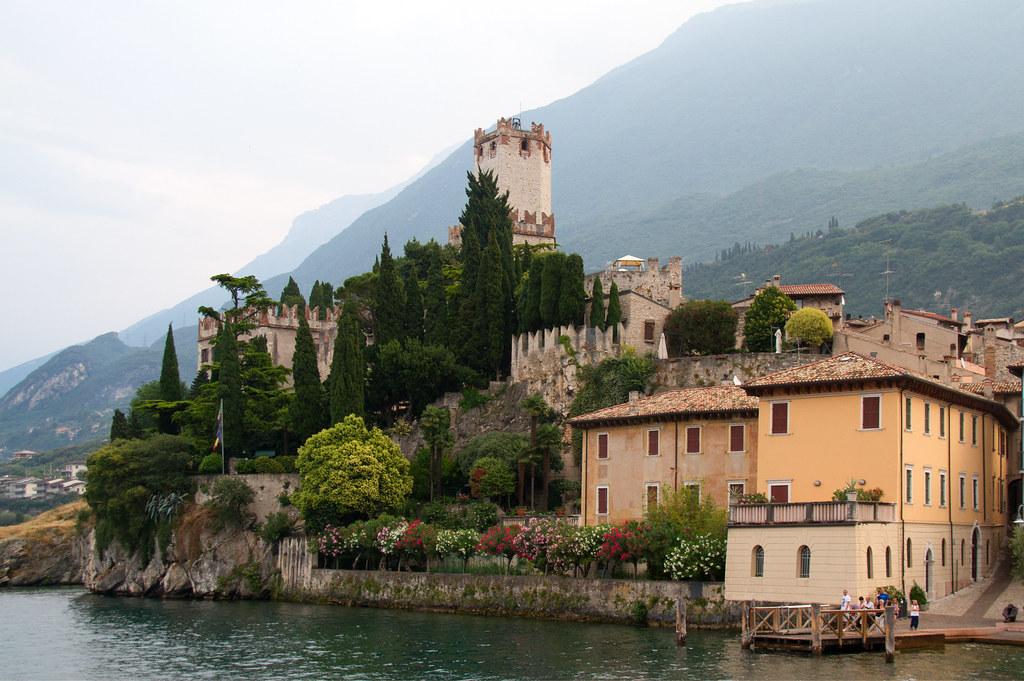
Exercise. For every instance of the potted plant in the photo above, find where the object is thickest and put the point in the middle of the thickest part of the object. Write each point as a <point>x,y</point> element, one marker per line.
<point>520,510</point>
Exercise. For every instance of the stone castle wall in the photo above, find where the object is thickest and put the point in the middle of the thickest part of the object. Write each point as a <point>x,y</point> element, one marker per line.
<point>663,285</point>
<point>280,332</point>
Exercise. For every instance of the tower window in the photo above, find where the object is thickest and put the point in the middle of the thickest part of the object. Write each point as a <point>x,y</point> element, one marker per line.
<point>525,146</point>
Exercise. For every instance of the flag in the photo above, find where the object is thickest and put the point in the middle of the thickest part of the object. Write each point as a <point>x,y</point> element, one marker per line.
<point>220,426</point>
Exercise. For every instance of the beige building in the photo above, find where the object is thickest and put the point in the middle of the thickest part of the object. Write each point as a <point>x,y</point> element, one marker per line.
<point>828,298</point>
<point>705,438</point>
<point>938,454</point>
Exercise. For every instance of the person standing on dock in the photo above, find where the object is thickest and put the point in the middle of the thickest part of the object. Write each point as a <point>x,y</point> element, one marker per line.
<point>915,614</point>
<point>846,601</point>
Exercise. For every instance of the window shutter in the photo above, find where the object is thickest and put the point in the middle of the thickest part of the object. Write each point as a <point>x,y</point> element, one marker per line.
<point>652,443</point>
<point>602,500</point>
<point>871,412</point>
<point>692,440</point>
<point>780,417</point>
<point>736,439</point>
<point>602,445</point>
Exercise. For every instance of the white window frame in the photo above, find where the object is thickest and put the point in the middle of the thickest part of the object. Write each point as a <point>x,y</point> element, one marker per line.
<point>943,482</point>
<point>771,418</point>
<point>908,481</point>
<point>730,483</point>
<point>943,433</point>
<point>927,486</point>
<point>693,483</point>
<point>743,429</point>
<point>975,489</point>
<point>974,430</point>
<point>787,483</point>
<point>607,500</point>
<point>700,440</point>
<point>647,441</point>
<point>908,411</point>
<point>607,447</point>
<point>657,493</point>
<point>963,430</point>
<point>963,490</point>
<point>927,418</point>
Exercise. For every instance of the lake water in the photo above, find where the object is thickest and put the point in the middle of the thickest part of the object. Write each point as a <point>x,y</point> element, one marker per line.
<point>67,633</point>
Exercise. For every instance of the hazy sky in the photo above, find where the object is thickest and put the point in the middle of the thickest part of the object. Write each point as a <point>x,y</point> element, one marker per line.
<point>147,145</point>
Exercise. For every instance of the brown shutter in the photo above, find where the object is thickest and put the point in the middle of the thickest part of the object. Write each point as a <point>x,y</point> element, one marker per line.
<point>692,439</point>
<point>602,445</point>
<point>779,494</point>
<point>652,443</point>
<point>602,500</point>
<point>780,417</point>
<point>736,439</point>
<point>871,407</point>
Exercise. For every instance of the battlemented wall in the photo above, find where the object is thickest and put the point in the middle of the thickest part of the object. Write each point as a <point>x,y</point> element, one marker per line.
<point>663,285</point>
<point>280,332</point>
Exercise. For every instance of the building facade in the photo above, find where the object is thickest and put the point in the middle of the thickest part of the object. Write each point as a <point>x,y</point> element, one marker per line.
<point>702,438</point>
<point>937,453</point>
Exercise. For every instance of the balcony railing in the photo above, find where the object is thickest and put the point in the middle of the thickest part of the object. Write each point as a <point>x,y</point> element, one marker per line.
<point>812,512</point>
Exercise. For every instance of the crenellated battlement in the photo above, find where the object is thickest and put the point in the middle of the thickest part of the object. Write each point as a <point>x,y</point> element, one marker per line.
<point>279,330</point>
<point>541,354</point>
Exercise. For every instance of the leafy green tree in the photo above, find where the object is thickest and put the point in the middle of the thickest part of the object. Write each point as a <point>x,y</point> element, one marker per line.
<point>389,308</point>
<point>1017,551</point>
<point>532,320</point>
<point>435,424</point>
<point>347,381</point>
<point>467,329</point>
<point>359,293</point>
<point>348,470</point>
<point>551,288</point>
<point>536,407</point>
<point>614,316</point>
<point>413,306</point>
<point>291,295</point>
<point>307,410</point>
<point>119,429</point>
<point>248,300</point>
<point>597,314</point>
<point>548,438</point>
<point>572,299</point>
<point>435,302</point>
<point>495,304</point>
<point>766,314</point>
<point>491,477</point>
<point>412,373</point>
<point>124,476</point>
<point>704,327</point>
<point>505,446</point>
<point>229,499</point>
<point>810,326</point>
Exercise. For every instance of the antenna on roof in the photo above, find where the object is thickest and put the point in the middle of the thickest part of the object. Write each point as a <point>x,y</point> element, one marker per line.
<point>888,270</point>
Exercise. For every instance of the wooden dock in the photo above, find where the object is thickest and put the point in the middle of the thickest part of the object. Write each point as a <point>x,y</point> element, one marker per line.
<point>819,629</point>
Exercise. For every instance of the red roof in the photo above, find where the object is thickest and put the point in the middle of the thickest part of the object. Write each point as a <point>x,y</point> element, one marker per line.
<point>846,367</point>
<point>932,315</point>
<point>712,400</point>
<point>811,290</point>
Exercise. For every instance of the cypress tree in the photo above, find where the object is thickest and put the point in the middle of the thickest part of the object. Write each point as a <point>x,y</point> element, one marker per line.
<point>306,409</point>
<point>435,321</point>
<point>614,311</point>
<point>413,306</point>
<point>572,299</point>
<point>229,389</point>
<point>389,311</point>
<point>534,285</point>
<point>170,384</point>
<point>291,295</point>
<point>347,381</point>
<point>495,307</point>
<point>119,429</point>
<point>551,288</point>
<point>463,335</point>
<point>597,305</point>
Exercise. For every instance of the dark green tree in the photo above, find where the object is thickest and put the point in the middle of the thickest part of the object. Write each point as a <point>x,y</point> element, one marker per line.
<point>291,295</point>
<point>572,299</point>
<point>767,314</point>
<point>549,439</point>
<point>413,306</point>
<point>435,302</point>
<point>347,381</point>
<point>530,319</point>
<point>307,410</point>
<point>229,390</point>
<point>536,407</point>
<point>119,429</point>
<point>495,304</point>
<point>171,389</point>
<point>248,300</point>
<point>467,332</point>
<point>703,327</point>
<point>389,307</point>
<point>551,288</point>
<point>411,373</point>
<point>614,315</point>
<point>597,305</point>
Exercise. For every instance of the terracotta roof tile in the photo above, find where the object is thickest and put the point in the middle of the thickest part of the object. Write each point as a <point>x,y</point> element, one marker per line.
<point>998,387</point>
<point>715,399</point>
<point>811,289</point>
<point>932,315</point>
<point>845,367</point>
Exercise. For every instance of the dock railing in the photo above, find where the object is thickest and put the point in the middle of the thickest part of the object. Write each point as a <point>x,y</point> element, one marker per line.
<point>816,627</point>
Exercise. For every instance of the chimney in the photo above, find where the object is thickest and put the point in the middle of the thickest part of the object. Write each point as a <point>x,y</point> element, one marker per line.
<point>634,402</point>
<point>953,314</point>
<point>777,281</point>
<point>967,320</point>
<point>990,352</point>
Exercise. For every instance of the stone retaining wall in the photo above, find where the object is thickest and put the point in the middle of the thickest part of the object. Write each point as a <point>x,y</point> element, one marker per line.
<point>600,600</point>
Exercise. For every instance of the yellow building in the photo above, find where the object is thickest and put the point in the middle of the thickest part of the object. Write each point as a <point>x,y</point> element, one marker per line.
<point>938,454</point>
<point>633,452</point>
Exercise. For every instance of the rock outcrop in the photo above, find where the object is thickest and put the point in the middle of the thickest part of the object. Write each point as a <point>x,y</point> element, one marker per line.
<point>45,558</point>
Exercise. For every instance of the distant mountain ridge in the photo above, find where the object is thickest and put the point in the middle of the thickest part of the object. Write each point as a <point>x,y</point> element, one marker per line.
<point>747,124</point>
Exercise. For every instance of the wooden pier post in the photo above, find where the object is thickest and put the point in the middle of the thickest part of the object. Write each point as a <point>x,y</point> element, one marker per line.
<point>890,633</point>
<point>747,630</point>
<point>816,628</point>
<point>680,622</point>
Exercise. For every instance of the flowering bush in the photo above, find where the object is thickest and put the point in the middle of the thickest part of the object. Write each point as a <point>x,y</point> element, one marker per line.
<point>624,543</point>
<point>332,542</point>
<point>873,494</point>
<point>462,543</point>
<point>388,537</point>
<point>700,558</point>
<point>417,541</point>
<point>749,498</point>
<point>500,541</point>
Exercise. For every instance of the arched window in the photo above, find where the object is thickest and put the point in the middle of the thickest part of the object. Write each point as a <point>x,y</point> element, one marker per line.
<point>888,562</point>
<point>758,568</point>
<point>943,553</point>
<point>910,554</point>
<point>805,562</point>
<point>871,566</point>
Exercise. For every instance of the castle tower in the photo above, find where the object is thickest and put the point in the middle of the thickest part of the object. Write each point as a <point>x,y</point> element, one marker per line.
<point>521,160</point>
